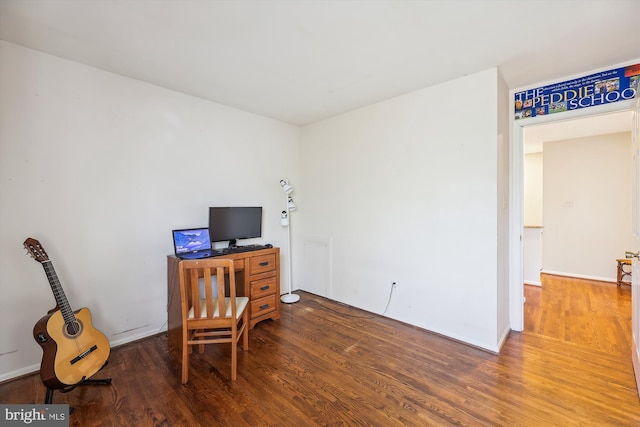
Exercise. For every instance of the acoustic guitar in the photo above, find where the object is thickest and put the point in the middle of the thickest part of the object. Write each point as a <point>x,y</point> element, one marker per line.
<point>73,350</point>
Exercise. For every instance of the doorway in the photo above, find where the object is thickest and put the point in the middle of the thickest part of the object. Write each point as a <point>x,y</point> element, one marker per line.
<point>516,170</point>
<point>577,214</point>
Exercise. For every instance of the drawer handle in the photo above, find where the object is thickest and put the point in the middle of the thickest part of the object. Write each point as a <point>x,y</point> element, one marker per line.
<point>263,306</point>
<point>264,288</point>
<point>264,263</point>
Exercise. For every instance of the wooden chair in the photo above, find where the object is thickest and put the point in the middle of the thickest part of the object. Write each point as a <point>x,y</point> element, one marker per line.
<point>211,315</point>
<point>622,273</point>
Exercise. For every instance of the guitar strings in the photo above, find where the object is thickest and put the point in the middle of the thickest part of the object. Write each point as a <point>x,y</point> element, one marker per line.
<point>71,325</point>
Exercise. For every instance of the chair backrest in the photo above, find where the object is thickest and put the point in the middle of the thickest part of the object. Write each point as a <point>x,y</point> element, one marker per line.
<point>208,302</point>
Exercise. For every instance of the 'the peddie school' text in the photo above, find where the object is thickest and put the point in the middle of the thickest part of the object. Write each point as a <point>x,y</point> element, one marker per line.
<point>584,96</point>
<point>596,89</point>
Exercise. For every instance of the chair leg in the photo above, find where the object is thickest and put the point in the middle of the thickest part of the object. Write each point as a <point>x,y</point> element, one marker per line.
<point>245,331</point>
<point>234,353</point>
<point>234,361</point>
<point>185,361</point>
<point>200,346</point>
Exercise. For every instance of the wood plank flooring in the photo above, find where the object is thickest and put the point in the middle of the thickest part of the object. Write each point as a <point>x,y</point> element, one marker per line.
<point>588,313</point>
<point>325,363</point>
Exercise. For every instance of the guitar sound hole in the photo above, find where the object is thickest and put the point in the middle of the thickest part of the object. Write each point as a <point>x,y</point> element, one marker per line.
<point>73,328</point>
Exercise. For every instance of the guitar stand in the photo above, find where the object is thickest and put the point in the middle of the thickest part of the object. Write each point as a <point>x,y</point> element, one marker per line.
<point>89,381</point>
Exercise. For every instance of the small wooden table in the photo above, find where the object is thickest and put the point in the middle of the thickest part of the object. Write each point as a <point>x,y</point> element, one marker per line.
<point>621,271</point>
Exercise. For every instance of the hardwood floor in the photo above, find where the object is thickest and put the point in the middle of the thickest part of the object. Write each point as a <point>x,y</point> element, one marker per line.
<point>324,363</point>
<point>582,312</point>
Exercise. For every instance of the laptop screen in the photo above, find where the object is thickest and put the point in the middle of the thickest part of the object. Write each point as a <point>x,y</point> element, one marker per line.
<point>191,240</point>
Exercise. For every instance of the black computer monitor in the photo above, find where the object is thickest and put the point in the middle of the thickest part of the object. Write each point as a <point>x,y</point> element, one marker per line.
<point>234,223</point>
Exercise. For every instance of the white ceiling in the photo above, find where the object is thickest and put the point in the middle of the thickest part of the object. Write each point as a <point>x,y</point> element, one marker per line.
<point>302,61</point>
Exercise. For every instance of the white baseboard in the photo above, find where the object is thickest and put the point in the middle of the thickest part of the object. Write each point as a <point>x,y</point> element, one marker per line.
<point>531,282</point>
<point>135,337</point>
<point>19,372</point>
<point>503,338</point>
<point>579,276</point>
<point>27,370</point>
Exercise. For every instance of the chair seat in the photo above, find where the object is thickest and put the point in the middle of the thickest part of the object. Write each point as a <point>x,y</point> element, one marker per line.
<point>241,304</point>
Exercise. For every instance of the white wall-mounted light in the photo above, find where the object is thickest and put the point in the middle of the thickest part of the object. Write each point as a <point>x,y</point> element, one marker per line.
<point>285,221</point>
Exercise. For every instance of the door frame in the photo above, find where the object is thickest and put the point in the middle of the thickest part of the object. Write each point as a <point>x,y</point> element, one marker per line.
<point>516,194</point>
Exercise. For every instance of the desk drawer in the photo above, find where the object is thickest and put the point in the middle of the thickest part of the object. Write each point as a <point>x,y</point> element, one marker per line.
<point>263,306</point>
<point>238,264</point>
<point>263,287</point>
<point>262,264</point>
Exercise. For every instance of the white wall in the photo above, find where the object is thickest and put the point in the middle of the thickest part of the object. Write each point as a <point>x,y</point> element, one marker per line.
<point>407,191</point>
<point>100,168</point>
<point>586,205</point>
<point>503,267</point>
<point>532,245</point>
<point>533,190</point>
<point>533,231</point>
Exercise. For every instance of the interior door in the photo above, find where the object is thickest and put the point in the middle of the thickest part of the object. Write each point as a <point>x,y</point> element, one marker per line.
<point>635,274</point>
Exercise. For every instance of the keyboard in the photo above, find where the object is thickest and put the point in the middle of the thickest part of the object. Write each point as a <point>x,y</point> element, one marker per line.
<point>237,250</point>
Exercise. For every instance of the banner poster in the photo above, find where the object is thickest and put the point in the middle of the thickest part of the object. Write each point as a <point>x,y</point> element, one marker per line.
<point>595,89</point>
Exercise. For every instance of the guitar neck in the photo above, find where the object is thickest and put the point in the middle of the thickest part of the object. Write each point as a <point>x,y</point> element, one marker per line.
<point>58,292</point>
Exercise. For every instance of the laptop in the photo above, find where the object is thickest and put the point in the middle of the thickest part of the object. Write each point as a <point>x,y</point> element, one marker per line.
<point>192,243</point>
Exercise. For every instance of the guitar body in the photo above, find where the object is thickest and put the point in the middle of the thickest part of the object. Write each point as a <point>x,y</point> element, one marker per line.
<point>49,347</point>
<point>69,356</point>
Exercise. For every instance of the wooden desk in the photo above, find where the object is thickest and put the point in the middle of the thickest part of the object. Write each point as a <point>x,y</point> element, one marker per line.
<point>622,273</point>
<point>257,276</point>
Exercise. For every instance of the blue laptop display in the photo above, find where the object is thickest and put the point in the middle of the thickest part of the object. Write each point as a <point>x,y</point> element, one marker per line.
<point>192,243</point>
